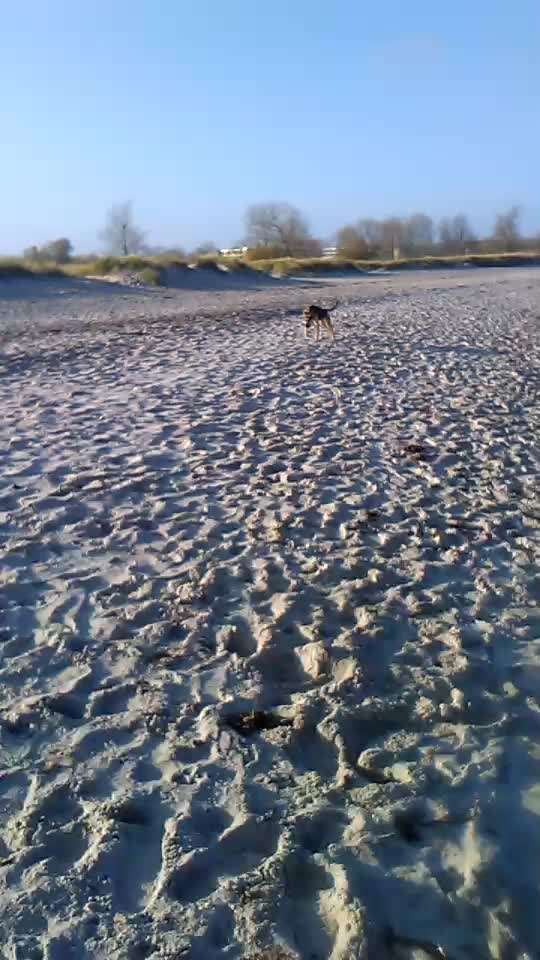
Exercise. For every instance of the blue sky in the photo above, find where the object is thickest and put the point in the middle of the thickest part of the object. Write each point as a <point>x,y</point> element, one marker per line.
<point>193,110</point>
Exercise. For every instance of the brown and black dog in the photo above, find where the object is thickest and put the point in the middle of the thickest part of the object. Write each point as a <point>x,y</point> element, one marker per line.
<point>319,317</point>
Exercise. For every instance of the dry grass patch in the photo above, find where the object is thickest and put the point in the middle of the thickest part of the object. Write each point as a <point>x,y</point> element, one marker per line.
<point>278,267</point>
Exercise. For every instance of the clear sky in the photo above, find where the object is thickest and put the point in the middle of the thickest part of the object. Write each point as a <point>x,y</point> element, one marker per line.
<point>193,110</point>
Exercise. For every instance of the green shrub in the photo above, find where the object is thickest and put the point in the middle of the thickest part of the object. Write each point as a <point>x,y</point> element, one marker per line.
<point>265,251</point>
<point>13,267</point>
<point>151,276</point>
<point>18,267</point>
<point>110,264</point>
<point>102,265</point>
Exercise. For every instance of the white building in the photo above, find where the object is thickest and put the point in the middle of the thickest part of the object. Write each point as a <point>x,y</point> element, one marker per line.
<point>233,251</point>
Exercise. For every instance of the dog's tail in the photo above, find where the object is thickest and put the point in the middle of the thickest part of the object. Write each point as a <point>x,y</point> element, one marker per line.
<point>334,307</point>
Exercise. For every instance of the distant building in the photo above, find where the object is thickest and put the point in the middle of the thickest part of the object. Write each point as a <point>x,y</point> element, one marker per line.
<point>233,251</point>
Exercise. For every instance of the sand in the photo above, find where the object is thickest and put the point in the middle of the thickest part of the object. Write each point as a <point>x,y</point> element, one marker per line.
<point>270,634</point>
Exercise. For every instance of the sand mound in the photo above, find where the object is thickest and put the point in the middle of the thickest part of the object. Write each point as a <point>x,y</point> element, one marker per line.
<point>212,278</point>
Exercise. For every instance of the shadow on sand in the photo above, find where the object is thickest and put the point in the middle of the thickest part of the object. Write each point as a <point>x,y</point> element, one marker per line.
<point>174,280</point>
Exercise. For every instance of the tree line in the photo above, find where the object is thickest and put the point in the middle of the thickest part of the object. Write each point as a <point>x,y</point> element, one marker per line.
<point>418,236</point>
<point>280,230</point>
<point>275,230</point>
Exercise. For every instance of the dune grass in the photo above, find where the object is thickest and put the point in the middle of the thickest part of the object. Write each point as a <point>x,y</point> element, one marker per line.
<point>288,266</point>
<point>151,268</point>
<point>19,267</point>
<point>134,264</point>
<point>103,266</point>
<point>151,276</point>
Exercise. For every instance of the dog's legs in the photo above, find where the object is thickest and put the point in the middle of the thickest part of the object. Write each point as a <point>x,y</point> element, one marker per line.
<point>329,327</point>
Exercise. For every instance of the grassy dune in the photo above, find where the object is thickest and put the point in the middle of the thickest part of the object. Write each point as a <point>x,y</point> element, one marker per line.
<point>289,266</point>
<point>103,266</point>
<point>150,268</point>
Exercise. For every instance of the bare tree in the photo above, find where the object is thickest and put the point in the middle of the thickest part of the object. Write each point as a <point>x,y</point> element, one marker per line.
<point>397,236</point>
<point>455,234</point>
<point>392,237</point>
<point>351,243</point>
<point>372,232</point>
<point>417,234</point>
<point>32,253</point>
<point>120,235</point>
<point>282,226</point>
<point>446,235</point>
<point>57,251</point>
<point>506,233</point>
<point>463,230</point>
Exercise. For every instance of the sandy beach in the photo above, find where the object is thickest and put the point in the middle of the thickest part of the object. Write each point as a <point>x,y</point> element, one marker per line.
<point>270,624</point>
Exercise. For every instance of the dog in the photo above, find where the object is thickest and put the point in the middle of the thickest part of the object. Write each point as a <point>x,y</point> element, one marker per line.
<point>319,317</point>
